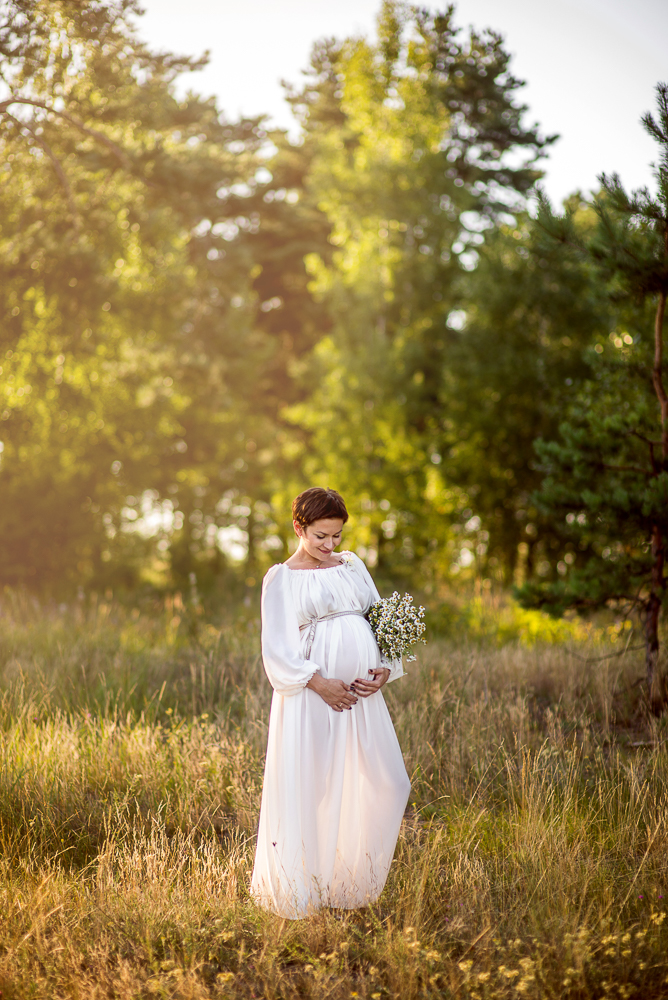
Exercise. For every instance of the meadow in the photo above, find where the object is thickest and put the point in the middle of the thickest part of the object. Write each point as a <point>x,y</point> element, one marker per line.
<point>532,861</point>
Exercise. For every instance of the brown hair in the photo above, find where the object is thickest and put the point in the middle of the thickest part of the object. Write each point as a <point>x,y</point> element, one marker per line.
<point>317,503</point>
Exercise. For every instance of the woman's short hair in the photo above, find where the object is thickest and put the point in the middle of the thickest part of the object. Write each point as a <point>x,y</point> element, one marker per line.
<point>317,503</point>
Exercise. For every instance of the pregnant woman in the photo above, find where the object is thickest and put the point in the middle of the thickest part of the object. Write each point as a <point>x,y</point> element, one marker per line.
<point>335,785</point>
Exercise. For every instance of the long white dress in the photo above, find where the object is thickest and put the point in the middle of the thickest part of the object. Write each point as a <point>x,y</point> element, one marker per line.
<point>335,785</point>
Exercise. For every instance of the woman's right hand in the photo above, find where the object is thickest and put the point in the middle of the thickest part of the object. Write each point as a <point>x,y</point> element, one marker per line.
<point>335,693</point>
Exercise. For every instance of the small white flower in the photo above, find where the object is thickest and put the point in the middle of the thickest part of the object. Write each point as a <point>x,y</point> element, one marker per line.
<point>397,625</point>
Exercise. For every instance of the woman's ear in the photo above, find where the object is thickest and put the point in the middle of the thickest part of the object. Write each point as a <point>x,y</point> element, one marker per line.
<point>298,528</point>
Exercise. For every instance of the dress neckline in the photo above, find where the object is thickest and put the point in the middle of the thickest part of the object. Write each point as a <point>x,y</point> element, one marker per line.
<point>346,556</point>
<point>315,569</point>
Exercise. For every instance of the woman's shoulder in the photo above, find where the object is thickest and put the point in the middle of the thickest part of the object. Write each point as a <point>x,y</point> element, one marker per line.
<point>274,573</point>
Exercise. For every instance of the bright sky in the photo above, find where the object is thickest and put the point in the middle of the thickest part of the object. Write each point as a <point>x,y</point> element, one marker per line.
<point>591,66</point>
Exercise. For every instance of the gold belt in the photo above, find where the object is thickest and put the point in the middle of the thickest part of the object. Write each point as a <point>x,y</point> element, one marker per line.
<point>311,625</point>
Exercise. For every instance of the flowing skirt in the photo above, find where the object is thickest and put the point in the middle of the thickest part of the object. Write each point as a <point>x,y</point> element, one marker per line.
<point>335,788</point>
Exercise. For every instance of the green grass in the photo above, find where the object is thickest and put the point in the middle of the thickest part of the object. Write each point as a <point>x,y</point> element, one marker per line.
<point>533,861</point>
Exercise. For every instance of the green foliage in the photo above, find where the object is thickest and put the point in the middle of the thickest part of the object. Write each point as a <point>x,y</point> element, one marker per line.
<point>607,500</point>
<point>497,621</point>
<point>607,476</point>
<point>411,171</point>
<point>138,376</point>
<point>198,317</point>
<point>514,360</point>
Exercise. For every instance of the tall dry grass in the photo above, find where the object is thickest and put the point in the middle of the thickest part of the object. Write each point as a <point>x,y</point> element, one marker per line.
<point>532,861</point>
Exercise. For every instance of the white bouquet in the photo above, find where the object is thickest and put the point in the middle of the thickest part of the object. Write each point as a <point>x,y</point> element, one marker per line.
<point>397,625</point>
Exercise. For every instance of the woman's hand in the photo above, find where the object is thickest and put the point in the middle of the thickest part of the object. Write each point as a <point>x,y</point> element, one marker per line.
<point>334,692</point>
<point>364,687</point>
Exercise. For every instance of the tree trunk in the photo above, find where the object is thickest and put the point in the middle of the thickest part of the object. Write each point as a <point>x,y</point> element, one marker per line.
<point>656,685</point>
<point>657,374</point>
<point>656,682</point>
<point>251,557</point>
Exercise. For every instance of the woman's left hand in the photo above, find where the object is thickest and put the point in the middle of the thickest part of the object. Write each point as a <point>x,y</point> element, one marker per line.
<point>365,687</point>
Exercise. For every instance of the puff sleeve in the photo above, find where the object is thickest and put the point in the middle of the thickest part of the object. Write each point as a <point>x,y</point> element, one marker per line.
<point>286,668</point>
<point>395,667</point>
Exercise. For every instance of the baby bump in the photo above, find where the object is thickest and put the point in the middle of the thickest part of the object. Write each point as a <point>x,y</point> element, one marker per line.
<point>345,648</point>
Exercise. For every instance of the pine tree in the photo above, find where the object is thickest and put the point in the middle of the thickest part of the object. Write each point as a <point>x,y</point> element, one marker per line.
<point>607,478</point>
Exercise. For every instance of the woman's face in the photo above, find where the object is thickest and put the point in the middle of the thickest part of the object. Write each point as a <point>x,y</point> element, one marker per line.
<point>321,537</point>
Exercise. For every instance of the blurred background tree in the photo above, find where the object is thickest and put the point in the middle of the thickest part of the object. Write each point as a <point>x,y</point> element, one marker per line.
<point>421,161</point>
<point>139,377</point>
<point>201,317</point>
<point>607,475</point>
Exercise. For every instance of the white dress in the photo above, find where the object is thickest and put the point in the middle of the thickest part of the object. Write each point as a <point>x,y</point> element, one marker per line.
<point>335,785</point>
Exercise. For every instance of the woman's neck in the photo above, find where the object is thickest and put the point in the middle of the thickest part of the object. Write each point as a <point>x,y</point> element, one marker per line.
<point>302,559</point>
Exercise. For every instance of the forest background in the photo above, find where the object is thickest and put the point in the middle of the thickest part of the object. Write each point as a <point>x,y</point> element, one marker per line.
<point>200,317</point>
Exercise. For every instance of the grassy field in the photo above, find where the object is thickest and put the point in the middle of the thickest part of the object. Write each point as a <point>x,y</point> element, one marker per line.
<point>533,861</point>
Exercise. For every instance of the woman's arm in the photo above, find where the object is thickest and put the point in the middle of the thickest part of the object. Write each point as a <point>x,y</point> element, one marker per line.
<point>394,668</point>
<point>287,670</point>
